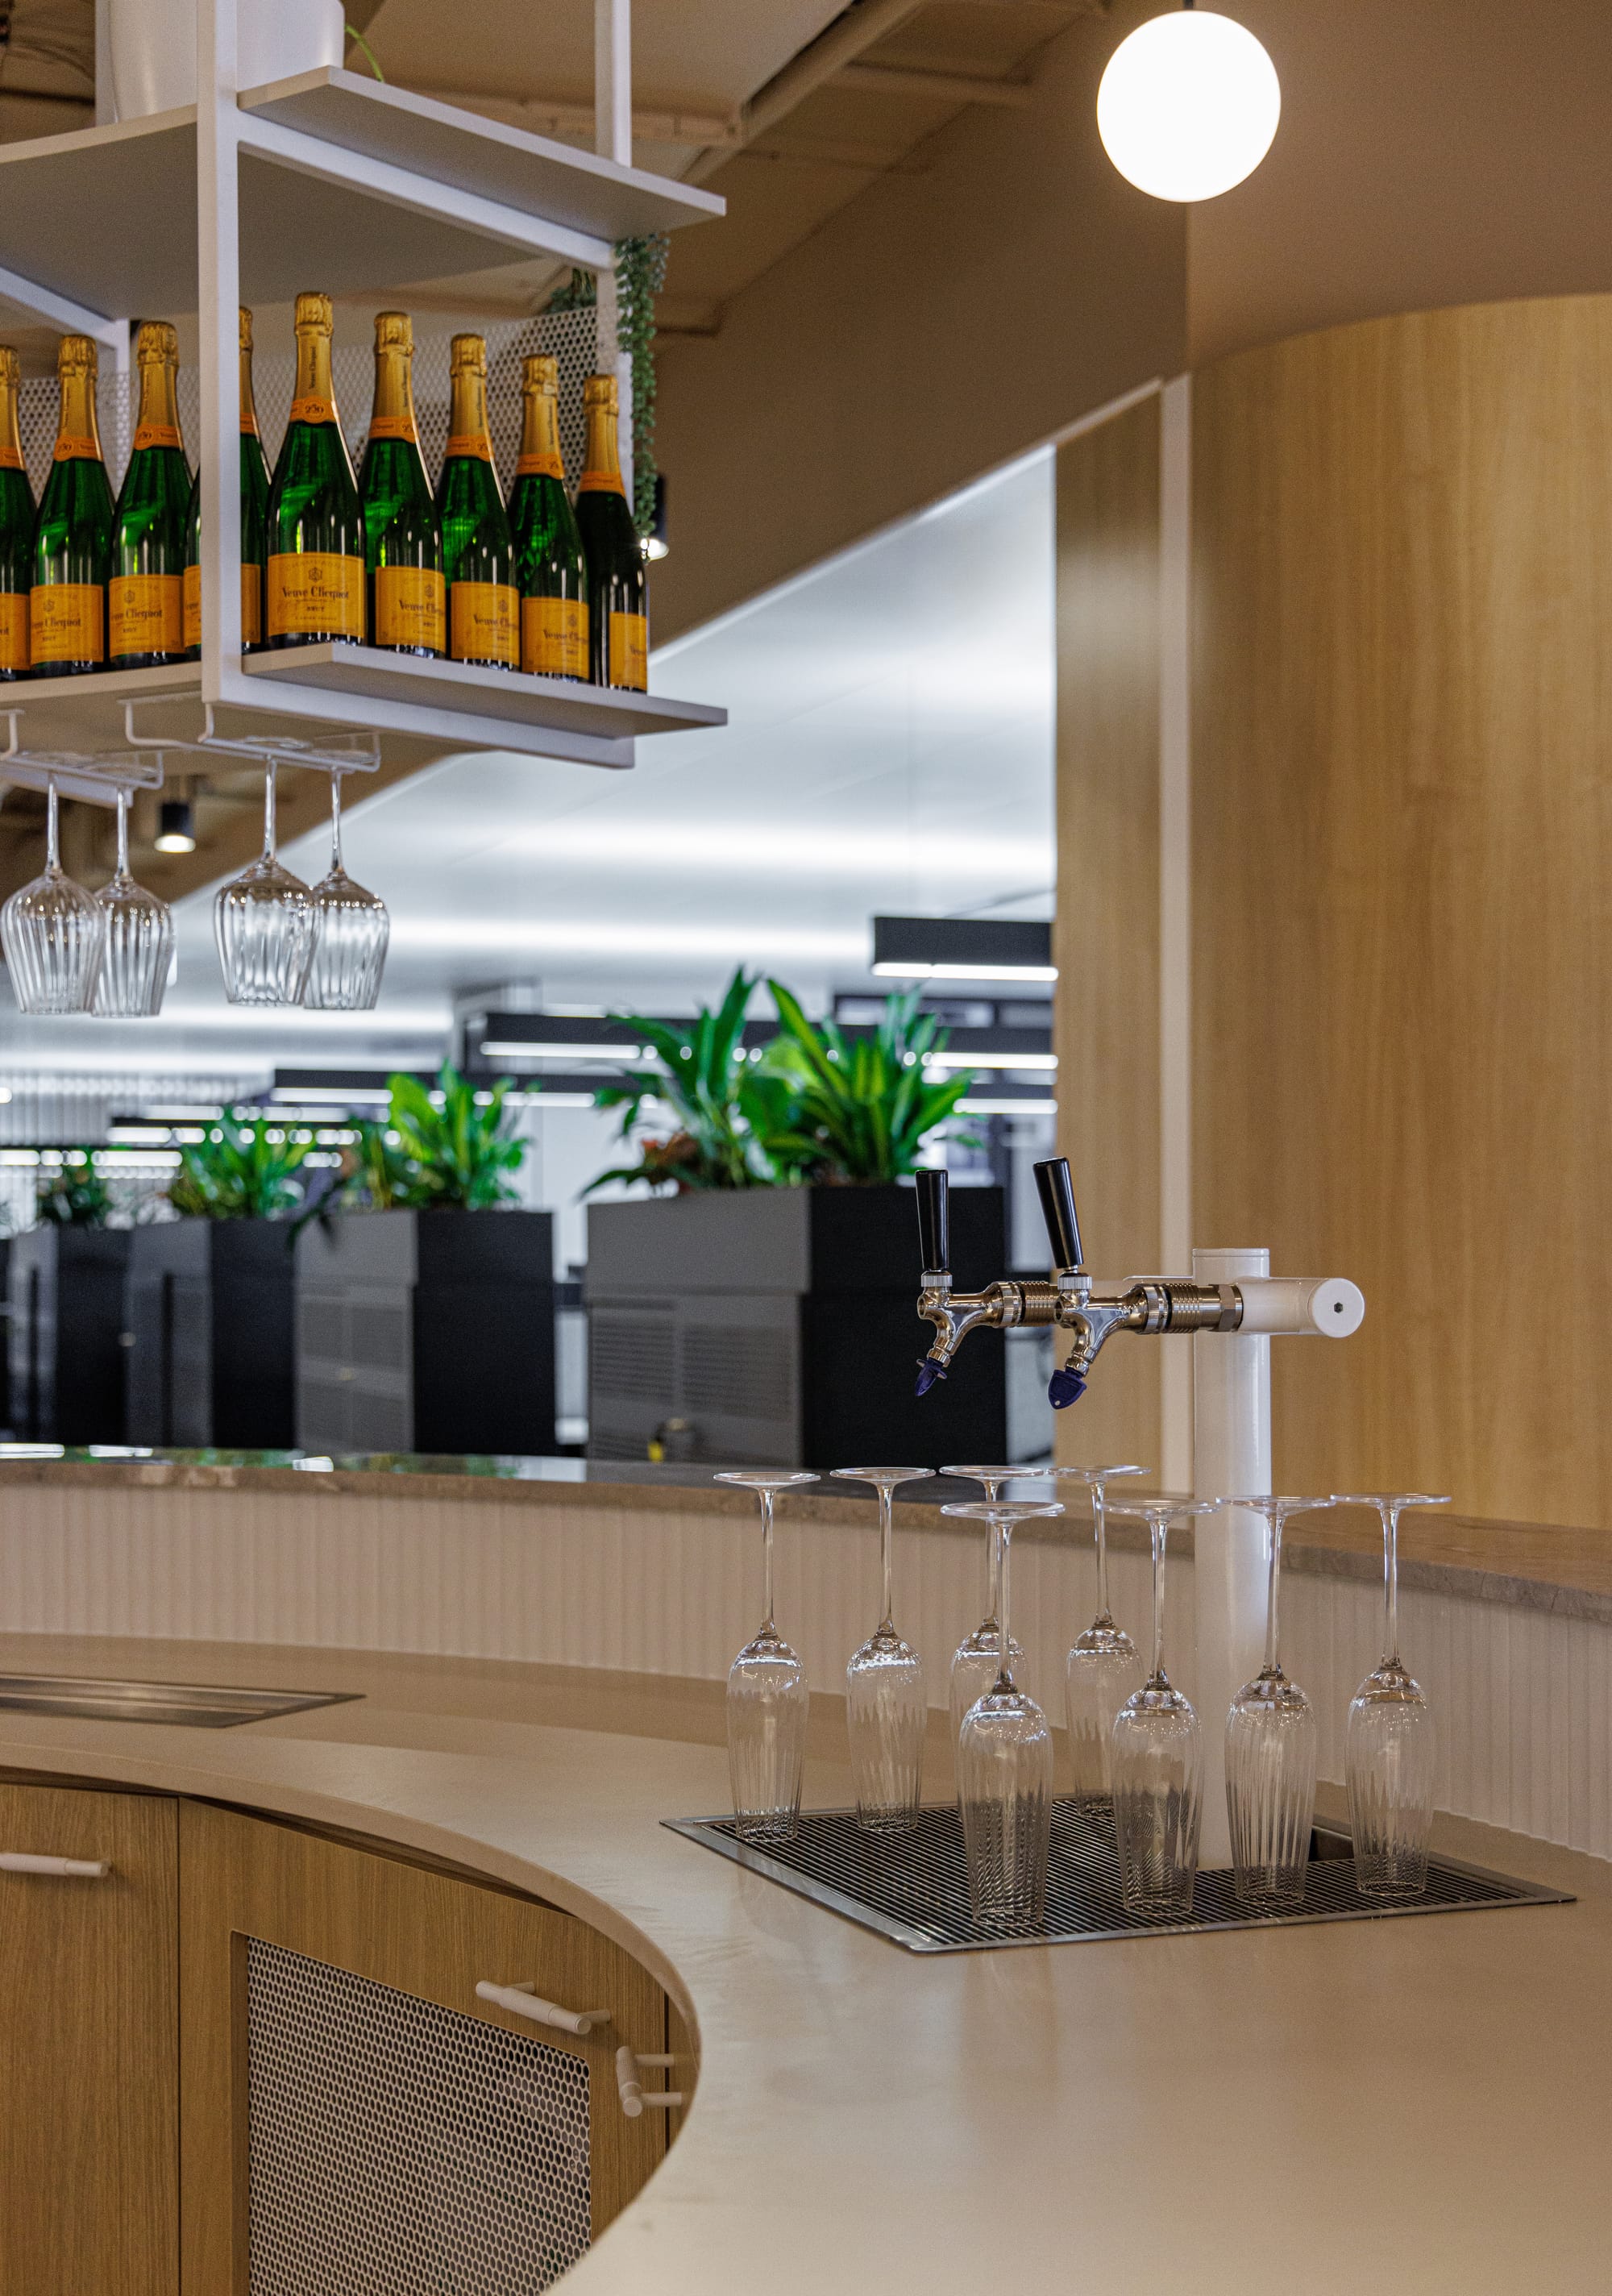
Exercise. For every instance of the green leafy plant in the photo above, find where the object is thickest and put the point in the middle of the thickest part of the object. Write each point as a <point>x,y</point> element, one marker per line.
<point>378,1172</point>
<point>239,1171</point>
<point>76,1196</point>
<point>705,1077</point>
<point>861,1105</point>
<point>453,1157</point>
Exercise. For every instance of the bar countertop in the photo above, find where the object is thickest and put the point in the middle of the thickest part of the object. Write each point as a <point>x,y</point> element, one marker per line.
<point>1420,2101</point>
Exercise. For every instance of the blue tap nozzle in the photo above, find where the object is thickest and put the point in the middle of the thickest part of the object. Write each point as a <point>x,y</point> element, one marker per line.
<point>1065,1387</point>
<point>928,1373</point>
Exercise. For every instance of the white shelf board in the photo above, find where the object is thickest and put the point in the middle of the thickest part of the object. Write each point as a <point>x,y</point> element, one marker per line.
<point>482,157</point>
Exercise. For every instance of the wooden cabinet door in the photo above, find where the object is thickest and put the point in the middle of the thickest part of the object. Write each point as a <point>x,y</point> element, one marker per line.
<point>89,2037</point>
<point>352,2114</point>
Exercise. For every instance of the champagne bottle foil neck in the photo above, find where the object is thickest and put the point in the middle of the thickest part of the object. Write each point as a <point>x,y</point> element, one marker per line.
<point>246,328</point>
<point>77,355</point>
<point>157,345</point>
<point>394,331</point>
<point>314,315</point>
<point>11,368</point>
<point>600,391</point>
<point>467,354</point>
<point>540,373</point>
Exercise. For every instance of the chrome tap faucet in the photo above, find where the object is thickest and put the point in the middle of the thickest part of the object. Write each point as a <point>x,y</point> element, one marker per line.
<point>1151,1304</point>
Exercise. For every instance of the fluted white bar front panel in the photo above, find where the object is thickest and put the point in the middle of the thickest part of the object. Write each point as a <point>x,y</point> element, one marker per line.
<point>1522,1695</point>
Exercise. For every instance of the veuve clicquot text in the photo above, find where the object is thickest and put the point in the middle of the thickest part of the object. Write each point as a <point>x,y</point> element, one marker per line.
<point>314,522</point>
<point>254,513</point>
<point>402,535</point>
<point>477,552</point>
<point>618,610</point>
<point>72,551</point>
<point>548,548</point>
<point>145,595</point>
<point>16,527</point>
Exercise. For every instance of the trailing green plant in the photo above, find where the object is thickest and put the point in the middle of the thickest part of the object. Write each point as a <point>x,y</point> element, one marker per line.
<point>861,1104</point>
<point>239,1171</point>
<point>455,1155</point>
<point>706,1078</point>
<point>640,276</point>
<point>76,1196</point>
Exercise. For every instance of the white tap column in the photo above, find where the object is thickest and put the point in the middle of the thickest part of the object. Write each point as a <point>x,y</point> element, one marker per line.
<point>1231,1452</point>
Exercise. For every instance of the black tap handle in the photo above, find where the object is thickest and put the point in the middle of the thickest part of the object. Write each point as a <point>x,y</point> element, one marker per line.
<point>1057,1192</point>
<point>933,1227</point>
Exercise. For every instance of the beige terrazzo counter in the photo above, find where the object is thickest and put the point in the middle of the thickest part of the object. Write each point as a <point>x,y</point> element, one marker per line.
<point>1425,2101</point>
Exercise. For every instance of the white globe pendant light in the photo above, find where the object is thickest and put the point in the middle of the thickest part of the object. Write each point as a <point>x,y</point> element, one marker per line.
<point>1187,105</point>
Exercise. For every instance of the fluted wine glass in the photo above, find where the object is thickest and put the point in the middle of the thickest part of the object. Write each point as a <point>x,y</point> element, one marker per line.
<point>1271,1740</point>
<point>768,1699</point>
<point>1391,1741</point>
<point>885,1712</point>
<point>1004,1763</point>
<point>1158,1758</point>
<point>139,947</point>
<point>54,933</point>
<point>974,1660</point>
<point>263,921</point>
<point>350,933</point>
<point>1104,1665</point>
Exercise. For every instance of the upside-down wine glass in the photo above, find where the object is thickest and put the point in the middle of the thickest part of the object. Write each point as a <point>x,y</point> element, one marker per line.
<point>1157,1759</point>
<point>974,1660</point>
<point>1104,1665</point>
<point>263,921</point>
<point>1005,1764</point>
<point>885,1713</point>
<point>1271,1738</point>
<point>768,1699</point>
<point>350,933</point>
<point>54,933</point>
<point>1391,1739</point>
<point>139,940</point>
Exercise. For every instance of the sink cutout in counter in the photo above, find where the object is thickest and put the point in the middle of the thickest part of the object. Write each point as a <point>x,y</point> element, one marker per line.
<point>197,1706</point>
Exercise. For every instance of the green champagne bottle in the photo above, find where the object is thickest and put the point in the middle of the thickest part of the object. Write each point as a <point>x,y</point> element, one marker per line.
<point>16,527</point>
<point>192,572</point>
<point>315,520</point>
<point>254,513</point>
<point>548,548</point>
<point>477,551</point>
<point>402,535</point>
<point>145,595</point>
<point>618,608</point>
<point>73,535</point>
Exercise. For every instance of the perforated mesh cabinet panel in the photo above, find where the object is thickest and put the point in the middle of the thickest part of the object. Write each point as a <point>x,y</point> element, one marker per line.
<point>399,2149</point>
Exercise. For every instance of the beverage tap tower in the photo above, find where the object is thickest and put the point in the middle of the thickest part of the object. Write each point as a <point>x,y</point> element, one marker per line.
<point>1235,1307</point>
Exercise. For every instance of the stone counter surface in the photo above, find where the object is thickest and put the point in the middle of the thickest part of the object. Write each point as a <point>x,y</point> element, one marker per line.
<point>1422,2102</point>
<point>1558,1569</point>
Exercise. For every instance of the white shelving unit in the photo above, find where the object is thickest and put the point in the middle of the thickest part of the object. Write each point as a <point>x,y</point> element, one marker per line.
<point>334,181</point>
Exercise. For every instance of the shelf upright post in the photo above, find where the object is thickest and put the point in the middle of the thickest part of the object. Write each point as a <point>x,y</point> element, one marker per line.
<point>613,140</point>
<point>218,280</point>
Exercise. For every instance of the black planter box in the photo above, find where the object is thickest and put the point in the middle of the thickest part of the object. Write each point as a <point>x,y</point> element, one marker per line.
<point>426,1332</point>
<point>65,1285</point>
<point>210,1326</point>
<point>781,1325</point>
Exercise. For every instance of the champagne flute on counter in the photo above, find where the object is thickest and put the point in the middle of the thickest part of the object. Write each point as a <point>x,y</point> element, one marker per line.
<point>1391,1741</point>
<point>1004,1763</point>
<point>768,1698</point>
<point>1104,1665</point>
<point>886,1712</point>
<point>977,1660</point>
<point>1157,1761</point>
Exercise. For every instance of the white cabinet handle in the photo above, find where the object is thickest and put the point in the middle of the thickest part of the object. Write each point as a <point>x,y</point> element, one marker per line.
<point>521,2001</point>
<point>72,1869</point>
<point>632,2097</point>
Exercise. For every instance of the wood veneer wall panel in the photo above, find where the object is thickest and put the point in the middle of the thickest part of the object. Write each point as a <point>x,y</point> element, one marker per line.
<point>1402,852</point>
<point>1105,939</point>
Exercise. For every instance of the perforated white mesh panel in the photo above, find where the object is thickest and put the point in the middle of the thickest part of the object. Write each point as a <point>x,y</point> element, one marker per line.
<point>398,2149</point>
<point>568,336</point>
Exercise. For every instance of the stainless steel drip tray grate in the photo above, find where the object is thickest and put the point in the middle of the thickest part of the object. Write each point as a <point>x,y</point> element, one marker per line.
<point>197,1705</point>
<point>913,1888</point>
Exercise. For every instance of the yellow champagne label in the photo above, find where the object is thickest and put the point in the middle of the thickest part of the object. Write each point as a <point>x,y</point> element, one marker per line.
<point>192,605</point>
<point>313,593</point>
<point>147,614</point>
<point>487,622</point>
<point>539,466</point>
<point>11,459</point>
<point>249,423</point>
<point>392,426</point>
<point>601,482</point>
<point>251,606</point>
<point>71,448</point>
<point>13,630</point>
<point>157,434</point>
<point>410,608</point>
<point>67,621</point>
<point>554,637</point>
<point>475,443</point>
<point>312,409</point>
<point>630,651</point>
